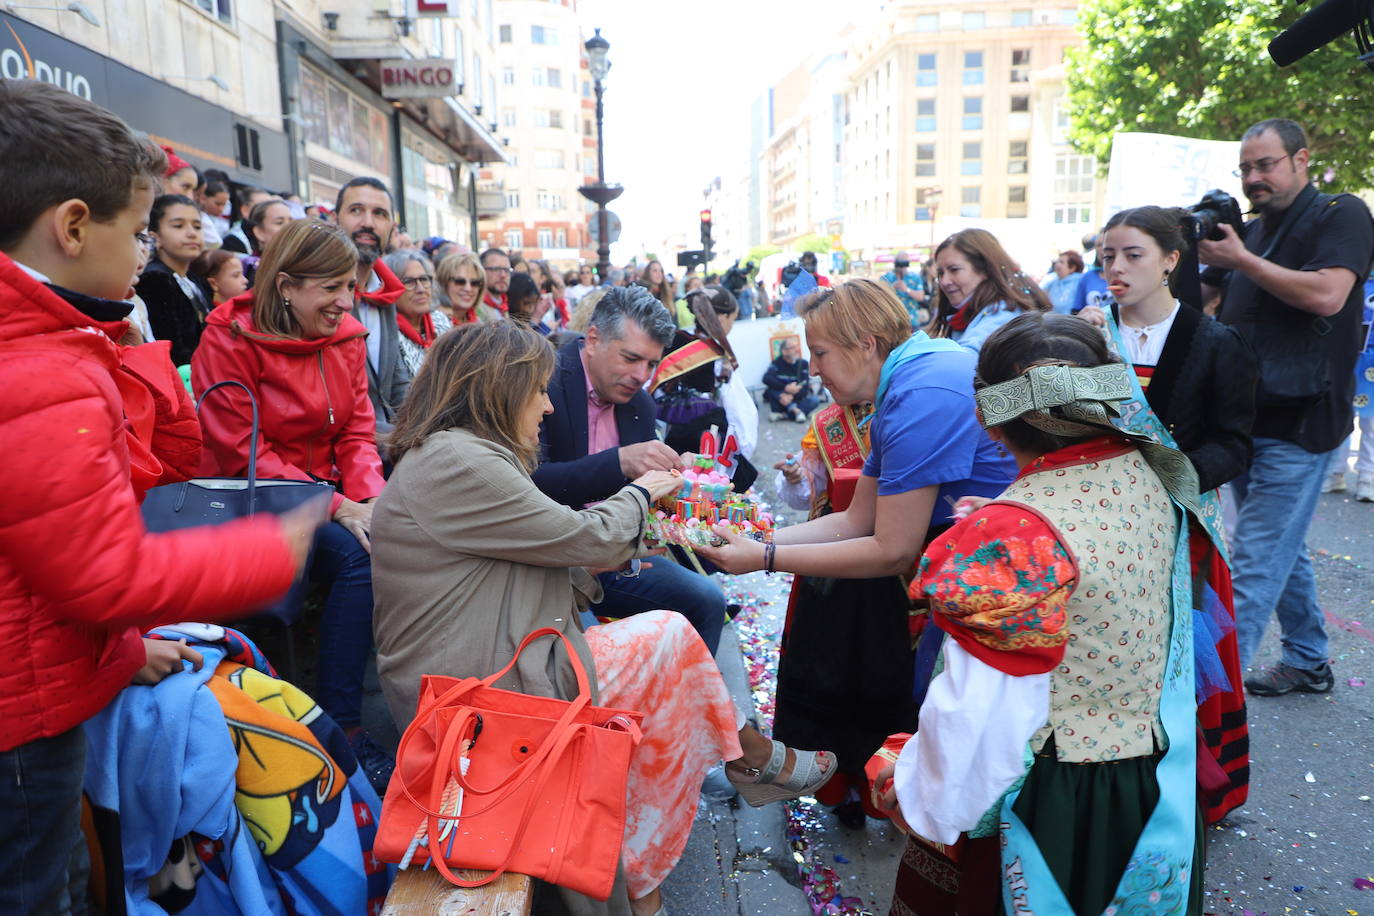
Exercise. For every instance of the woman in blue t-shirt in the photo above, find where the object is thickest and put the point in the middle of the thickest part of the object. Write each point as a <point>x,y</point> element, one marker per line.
<point>847,669</point>
<point>981,289</point>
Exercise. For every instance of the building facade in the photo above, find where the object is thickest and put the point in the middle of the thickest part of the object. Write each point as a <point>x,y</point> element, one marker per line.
<point>547,114</point>
<point>288,96</point>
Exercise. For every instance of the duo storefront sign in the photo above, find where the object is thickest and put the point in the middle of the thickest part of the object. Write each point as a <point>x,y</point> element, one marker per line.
<point>427,78</point>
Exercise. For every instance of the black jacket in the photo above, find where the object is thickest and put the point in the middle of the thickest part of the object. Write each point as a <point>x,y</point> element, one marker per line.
<point>566,473</point>
<point>1203,390</point>
<point>172,314</point>
<point>780,374</point>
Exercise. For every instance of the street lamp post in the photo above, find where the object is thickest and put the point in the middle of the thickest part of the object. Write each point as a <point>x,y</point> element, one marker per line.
<point>933,203</point>
<point>600,193</point>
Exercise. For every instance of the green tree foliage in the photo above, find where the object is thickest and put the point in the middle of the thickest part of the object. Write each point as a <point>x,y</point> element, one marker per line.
<point>758,253</point>
<point>1200,68</point>
<point>817,243</point>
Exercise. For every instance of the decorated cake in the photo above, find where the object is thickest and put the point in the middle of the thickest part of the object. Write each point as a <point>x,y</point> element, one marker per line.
<point>707,498</point>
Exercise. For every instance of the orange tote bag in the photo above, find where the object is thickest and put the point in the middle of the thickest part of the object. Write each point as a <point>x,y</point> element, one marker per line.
<point>502,781</point>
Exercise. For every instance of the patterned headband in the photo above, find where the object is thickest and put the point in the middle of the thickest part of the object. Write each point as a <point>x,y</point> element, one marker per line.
<point>1074,401</point>
<point>1062,400</point>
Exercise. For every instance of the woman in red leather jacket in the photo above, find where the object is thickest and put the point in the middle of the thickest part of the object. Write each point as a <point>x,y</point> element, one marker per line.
<point>292,341</point>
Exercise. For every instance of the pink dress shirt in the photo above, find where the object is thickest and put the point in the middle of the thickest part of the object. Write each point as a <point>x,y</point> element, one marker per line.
<point>601,430</point>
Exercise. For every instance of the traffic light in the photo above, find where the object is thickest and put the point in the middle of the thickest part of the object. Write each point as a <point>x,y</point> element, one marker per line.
<point>706,235</point>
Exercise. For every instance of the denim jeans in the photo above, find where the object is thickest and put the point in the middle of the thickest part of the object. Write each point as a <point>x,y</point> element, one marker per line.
<point>803,399</point>
<point>1271,571</point>
<point>43,860</point>
<point>346,625</point>
<point>664,585</point>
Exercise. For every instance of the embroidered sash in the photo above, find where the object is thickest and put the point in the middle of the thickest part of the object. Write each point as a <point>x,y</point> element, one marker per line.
<point>839,439</point>
<point>683,360</point>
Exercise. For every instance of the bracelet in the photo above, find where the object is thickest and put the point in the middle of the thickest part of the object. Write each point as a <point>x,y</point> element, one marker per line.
<point>647,501</point>
<point>769,554</point>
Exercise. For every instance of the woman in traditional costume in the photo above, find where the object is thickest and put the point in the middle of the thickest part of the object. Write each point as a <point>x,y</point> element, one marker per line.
<point>1060,736</point>
<point>847,671</point>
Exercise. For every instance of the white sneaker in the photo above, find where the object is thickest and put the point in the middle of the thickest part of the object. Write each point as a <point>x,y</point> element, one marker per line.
<point>775,416</point>
<point>1364,488</point>
<point>1335,482</point>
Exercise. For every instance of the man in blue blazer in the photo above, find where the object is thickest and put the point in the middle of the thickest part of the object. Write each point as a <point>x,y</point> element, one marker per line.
<point>602,435</point>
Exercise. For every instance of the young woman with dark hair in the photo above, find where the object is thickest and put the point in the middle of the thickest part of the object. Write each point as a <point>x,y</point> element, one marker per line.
<point>655,281</point>
<point>471,557</point>
<point>1198,377</point>
<point>981,288</point>
<point>1054,763</point>
<point>177,304</point>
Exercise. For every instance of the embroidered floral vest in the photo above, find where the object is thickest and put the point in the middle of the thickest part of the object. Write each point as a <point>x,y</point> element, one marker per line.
<point>1116,517</point>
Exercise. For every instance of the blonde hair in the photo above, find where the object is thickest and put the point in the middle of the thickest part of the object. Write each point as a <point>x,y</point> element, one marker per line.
<point>854,310</point>
<point>479,377</point>
<point>448,270</point>
<point>304,249</point>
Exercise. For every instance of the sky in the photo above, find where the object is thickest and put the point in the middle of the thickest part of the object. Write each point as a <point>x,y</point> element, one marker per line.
<point>677,96</point>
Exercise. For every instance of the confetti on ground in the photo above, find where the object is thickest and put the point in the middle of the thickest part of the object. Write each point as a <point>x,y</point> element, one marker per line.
<point>759,639</point>
<point>1355,682</point>
<point>1309,777</point>
<point>1364,884</point>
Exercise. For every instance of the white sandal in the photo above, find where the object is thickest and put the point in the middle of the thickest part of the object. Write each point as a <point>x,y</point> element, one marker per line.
<point>759,787</point>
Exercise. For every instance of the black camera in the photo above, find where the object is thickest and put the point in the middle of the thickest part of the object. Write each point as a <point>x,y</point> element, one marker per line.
<point>736,278</point>
<point>1209,214</point>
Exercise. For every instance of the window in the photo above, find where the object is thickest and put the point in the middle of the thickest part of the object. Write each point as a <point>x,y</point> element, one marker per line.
<point>508,117</point>
<point>1020,19</point>
<point>541,118</point>
<point>544,238</point>
<point>512,200</point>
<point>589,164</point>
<point>928,22</point>
<point>515,238</point>
<point>537,76</point>
<point>543,35</point>
<point>1020,65</point>
<point>548,158</point>
<point>1073,175</point>
<point>925,115</point>
<point>925,160</point>
<point>587,128</point>
<point>973,113</point>
<point>222,10</point>
<point>556,119</point>
<point>972,163</point>
<point>925,70</point>
<point>970,202</point>
<point>505,32</point>
<point>1020,103</point>
<point>1068,17</point>
<point>973,21</point>
<point>923,214</point>
<point>1073,215</point>
<point>1016,202</point>
<point>507,78</point>
<point>560,238</point>
<point>555,79</point>
<point>1017,157</point>
<point>458,55</point>
<point>586,89</point>
<point>973,68</point>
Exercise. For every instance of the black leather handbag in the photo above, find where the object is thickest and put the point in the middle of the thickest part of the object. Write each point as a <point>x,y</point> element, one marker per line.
<point>216,500</point>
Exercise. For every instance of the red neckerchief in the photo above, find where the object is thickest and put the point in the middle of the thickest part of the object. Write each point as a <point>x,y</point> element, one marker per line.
<point>424,337</point>
<point>496,302</point>
<point>960,319</point>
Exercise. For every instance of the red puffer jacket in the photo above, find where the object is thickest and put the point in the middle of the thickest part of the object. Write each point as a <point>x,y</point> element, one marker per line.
<point>88,426</point>
<point>315,415</point>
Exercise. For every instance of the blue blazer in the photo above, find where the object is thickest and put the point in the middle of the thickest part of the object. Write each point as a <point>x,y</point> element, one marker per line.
<point>566,473</point>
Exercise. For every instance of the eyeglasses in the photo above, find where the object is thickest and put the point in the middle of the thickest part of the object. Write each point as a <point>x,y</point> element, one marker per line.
<point>413,282</point>
<point>463,281</point>
<point>1264,167</point>
<point>497,270</point>
<point>144,239</point>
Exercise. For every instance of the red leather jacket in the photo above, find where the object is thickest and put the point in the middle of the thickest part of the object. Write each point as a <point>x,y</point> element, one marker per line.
<point>88,427</point>
<point>317,421</point>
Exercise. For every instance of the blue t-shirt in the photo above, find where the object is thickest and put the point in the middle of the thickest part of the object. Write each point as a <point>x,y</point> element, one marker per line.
<point>926,434</point>
<point>1092,290</point>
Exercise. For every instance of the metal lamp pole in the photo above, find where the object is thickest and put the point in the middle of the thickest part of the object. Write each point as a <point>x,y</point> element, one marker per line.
<point>600,193</point>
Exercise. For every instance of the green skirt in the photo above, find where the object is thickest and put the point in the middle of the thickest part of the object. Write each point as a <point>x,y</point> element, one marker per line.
<point>1086,819</point>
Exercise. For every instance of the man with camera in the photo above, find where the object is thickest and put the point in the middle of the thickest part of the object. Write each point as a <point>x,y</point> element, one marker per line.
<point>1293,292</point>
<point>912,295</point>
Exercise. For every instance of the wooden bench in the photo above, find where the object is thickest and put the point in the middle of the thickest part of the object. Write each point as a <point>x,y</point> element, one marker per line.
<point>426,893</point>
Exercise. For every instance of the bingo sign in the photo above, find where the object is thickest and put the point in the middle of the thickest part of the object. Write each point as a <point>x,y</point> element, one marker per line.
<point>1168,171</point>
<point>427,78</point>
